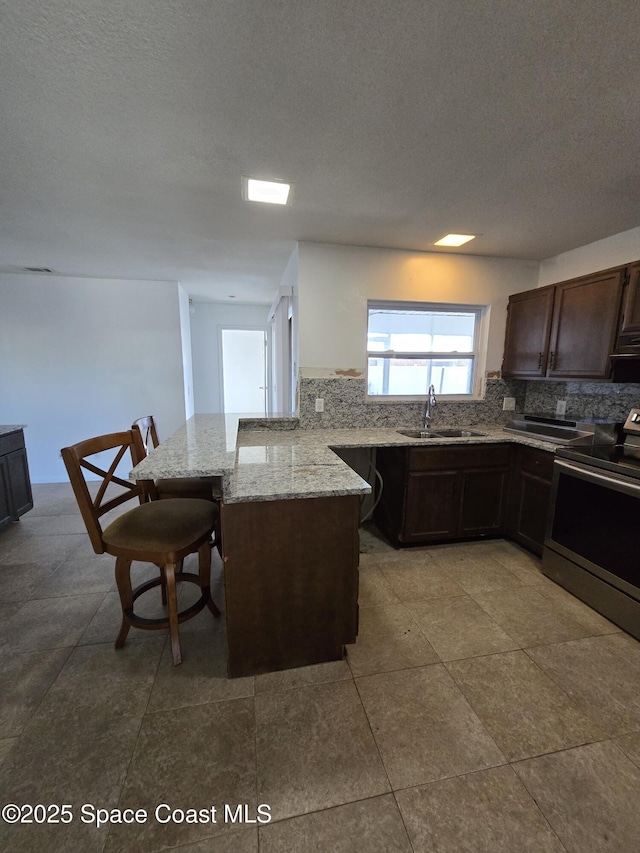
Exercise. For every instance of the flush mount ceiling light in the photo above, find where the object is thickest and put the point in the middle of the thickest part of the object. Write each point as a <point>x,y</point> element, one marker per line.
<point>455,239</point>
<point>267,192</point>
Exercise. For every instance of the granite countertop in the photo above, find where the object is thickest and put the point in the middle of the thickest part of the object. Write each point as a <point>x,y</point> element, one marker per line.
<point>280,461</point>
<point>7,428</point>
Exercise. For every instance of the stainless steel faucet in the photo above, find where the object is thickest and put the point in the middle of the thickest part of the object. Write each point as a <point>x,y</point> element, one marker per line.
<point>429,406</point>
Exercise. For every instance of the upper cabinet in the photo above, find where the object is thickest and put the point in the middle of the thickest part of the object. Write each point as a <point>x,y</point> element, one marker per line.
<point>528,326</point>
<point>564,331</point>
<point>631,316</point>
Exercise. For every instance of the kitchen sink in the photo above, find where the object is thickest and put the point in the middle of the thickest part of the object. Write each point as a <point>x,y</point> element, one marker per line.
<point>442,433</point>
<point>458,433</point>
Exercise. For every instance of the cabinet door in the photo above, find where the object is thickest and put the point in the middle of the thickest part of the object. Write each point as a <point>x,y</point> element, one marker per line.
<point>6,509</point>
<point>527,335</point>
<point>531,495</point>
<point>18,471</point>
<point>585,316</point>
<point>631,316</point>
<point>431,506</point>
<point>483,501</point>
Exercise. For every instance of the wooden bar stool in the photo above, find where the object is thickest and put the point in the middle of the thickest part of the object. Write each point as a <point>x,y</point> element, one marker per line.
<point>161,532</point>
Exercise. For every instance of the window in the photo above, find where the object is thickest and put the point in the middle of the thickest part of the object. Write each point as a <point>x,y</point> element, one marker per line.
<point>412,345</point>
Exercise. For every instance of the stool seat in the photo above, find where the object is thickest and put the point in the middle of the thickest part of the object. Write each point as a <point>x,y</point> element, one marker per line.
<point>161,528</point>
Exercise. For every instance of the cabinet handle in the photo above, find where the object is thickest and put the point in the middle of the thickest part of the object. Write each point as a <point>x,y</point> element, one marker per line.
<point>552,359</point>
<point>540,361</point>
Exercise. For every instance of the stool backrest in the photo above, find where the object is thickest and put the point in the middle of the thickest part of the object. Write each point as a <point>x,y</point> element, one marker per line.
<point>76,460</point>
<point>148,432</point>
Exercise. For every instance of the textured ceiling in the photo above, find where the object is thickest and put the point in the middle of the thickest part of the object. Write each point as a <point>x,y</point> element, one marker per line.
<point>125,128</point>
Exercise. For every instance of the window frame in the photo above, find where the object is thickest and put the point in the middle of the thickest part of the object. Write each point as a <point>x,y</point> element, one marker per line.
<point>477,355</point>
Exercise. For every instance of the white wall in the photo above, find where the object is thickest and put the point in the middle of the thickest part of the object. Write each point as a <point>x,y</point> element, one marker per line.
<point>205,320</point>
<point>613,251</point>
<point>83,357</point>
<point>334,283</point>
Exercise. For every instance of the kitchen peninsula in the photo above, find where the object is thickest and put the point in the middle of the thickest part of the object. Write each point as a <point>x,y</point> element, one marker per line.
<point>289,529</point>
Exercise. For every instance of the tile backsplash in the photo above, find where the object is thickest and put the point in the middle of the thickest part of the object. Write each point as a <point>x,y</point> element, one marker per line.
<point>345,404</point>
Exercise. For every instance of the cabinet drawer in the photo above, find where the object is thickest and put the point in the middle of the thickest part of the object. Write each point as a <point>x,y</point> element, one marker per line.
<point>11,441</point>
<point>458,457</point>
<point>537,462</point>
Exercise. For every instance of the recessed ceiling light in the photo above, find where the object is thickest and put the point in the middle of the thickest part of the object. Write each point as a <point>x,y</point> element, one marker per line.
<point>454,239</point>
<point>268,192</point>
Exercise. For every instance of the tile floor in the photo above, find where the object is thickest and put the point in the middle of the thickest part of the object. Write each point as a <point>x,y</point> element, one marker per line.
<point>482,709</point>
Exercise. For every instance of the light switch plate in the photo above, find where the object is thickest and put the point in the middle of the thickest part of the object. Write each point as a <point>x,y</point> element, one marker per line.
<point>319,404</point>
<point>561,407</point>
<point>508,404</point>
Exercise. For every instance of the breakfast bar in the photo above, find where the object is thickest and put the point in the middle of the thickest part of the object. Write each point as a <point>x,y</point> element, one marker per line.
<point>290,514</point>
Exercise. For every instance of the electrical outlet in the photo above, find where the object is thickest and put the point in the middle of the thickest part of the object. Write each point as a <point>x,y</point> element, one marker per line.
<point>508,404</point>
<point>319,404</point>
<point>561,407</point>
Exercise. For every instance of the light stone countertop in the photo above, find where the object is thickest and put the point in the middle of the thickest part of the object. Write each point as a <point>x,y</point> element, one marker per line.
<point>5,429</point>
<point>284,462</point>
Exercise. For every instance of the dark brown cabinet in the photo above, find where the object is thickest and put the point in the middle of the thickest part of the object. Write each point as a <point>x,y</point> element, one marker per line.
<point>530,496</point>
<point>15,487</point>
<point>526,346</point>
<point>631,314</point>
<point>565,331</point>
<point>442,493</point>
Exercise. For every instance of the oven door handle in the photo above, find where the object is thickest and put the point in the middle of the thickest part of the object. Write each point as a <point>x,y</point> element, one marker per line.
<point>610,481</point>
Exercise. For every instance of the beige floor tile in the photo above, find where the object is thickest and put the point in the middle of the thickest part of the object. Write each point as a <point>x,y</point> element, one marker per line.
<point>388,639</point>
<point>525,712</point>
<point>477,572</point>
<point>55,761</point>
<point>630,745</point>
<point>6,745</point>
<point>51,525</point>
<point>99,681</point>
<point>78,577</point>
<point>589,795</point>
<point>601,675</point>
<point>192,757</point>
<point>315,750</point>
<point>530,618</point>
<point>459,628</point>
<point>485,812</point>
<point>240,841</point>
<point>24,680</point>
<point>304,676</point>
<point>45,549</point>
<point>49,623</point>
<point>368,826</point>
<point>414,581</point>
<point>201,677</point>
<point>525,566</point>
<point>19,582</point>
<point>593,621</point>
<point>374,589</point>
<point>424,727</point>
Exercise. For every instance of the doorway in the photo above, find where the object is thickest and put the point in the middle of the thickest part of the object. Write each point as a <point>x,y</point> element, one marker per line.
<point>245,370</point>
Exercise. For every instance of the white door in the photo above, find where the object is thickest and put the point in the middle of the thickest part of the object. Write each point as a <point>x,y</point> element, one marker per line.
<point>244,370</point>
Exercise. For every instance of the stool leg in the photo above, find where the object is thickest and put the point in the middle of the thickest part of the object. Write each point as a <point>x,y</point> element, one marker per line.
<point>204,571</point>
<point>172,600</point>
<point>163,586</point>
<point>123,581</point>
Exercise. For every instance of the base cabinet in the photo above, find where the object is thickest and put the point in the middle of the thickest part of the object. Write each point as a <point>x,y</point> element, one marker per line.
<point>291,582</point>
<point>15,486</point>
<point>530,497</point>
<point>443,493</point>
